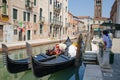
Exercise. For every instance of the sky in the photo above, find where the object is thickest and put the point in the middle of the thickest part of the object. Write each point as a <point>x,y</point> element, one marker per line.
<point>86,7</point>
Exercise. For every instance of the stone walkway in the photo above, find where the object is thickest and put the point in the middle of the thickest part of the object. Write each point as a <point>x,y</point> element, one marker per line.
<point>115,73</point>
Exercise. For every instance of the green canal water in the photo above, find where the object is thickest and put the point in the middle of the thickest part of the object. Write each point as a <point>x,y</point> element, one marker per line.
<point>67,74</point>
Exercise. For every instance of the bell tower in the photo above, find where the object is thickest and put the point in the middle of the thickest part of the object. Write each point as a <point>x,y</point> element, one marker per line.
<point>97,8</point>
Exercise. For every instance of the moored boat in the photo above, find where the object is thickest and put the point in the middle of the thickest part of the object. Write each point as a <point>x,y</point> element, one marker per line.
<point>15,66</point>
<point>47,67</point>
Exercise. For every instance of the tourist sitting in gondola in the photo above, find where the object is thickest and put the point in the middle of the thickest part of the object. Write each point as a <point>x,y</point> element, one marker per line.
<point>57,50</point>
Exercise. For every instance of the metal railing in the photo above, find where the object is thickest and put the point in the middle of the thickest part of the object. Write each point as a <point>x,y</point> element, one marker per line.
<point>56,22</point>
<point>28,4</point>
<point>57,6</point>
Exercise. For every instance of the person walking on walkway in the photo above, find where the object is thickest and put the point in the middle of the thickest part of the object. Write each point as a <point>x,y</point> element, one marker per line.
<point>107,48</point>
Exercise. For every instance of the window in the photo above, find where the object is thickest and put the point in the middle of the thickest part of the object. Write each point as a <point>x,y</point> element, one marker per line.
<point>28,17</point>
<point>34,2</point>
<point>110,21</point>
<point>34,18</point>
<point>99,22</point>
<point>98,2</point>
<point>35,32</point>
<point>27,2</point>
<point>15,31</point>
<point>24,16</point>
<point>50,1</point>
<point>14,13</point>
<point>50,16</point>
<point>50,29</point>
<point>65,20</point>
<point>63,31</point>
<point>41,26</point>
<point>4,1</point>
<point>60,19</point>
<point>40,13</point>
<point>66,9</point>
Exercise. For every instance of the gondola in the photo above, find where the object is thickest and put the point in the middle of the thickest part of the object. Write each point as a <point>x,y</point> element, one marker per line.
<point>16,66</point>
<point>47,67</point>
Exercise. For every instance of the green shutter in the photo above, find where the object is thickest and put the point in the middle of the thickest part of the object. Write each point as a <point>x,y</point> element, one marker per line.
<point>28,17</point>
<point>14,13</point>
<point>35,2</point>
<point>24,16</point>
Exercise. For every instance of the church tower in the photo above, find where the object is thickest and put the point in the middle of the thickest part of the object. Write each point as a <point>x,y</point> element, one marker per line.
<point>97,8</point>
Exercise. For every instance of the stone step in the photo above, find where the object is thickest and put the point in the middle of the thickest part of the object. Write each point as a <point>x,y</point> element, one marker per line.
<point>90,52</point>
<point>90,58</point>
<point>89,62</point>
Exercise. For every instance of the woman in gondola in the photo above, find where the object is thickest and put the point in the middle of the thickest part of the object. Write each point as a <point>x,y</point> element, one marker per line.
<point>57,50</point>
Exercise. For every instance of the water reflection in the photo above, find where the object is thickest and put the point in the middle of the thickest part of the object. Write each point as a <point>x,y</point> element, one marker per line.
<point>71,73</point>
<point>21,53</point>
<point>67,74</point>
<point>63,74</point>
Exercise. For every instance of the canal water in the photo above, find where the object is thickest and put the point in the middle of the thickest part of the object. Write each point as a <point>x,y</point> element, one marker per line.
<point>67,74</point>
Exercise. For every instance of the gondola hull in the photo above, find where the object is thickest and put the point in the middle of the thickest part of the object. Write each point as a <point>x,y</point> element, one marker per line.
<point>16,66</point>
<point>47,67</point>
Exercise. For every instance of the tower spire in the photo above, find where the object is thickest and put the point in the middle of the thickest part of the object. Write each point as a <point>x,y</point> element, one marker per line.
<point>97,8</point>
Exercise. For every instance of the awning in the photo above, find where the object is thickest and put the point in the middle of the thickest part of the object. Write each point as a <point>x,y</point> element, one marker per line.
<point>117,26</point>
<point>107,24</point>
<point>110,24</point>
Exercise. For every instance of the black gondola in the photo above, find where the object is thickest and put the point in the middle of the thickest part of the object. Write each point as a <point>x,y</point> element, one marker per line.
<point>47,67</point>
<point>15,66</point>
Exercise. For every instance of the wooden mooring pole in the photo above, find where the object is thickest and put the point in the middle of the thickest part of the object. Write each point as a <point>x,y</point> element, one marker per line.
<point>78,60</point>
<point>29,53</point>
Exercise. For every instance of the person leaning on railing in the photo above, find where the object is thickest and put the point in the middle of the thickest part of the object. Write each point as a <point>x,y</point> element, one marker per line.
<point>107,48</point>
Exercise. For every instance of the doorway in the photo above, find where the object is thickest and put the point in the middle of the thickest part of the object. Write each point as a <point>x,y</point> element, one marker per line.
<point>28,35</point>
<point>20,35</point>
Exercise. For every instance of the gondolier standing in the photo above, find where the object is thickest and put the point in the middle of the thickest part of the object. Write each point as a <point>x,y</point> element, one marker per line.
<point>107,47</point>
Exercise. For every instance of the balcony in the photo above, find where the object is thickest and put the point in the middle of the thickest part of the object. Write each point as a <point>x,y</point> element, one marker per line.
<point>56,22</point>
<point>57,7</point>
<point>42,20</point>
<point>4,17</point>
<point>29,5</point>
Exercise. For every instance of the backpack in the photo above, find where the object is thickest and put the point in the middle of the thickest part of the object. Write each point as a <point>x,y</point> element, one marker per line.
<point>110,41</point>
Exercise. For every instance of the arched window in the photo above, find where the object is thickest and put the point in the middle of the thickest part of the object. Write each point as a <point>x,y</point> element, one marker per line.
<point>40,13</point>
